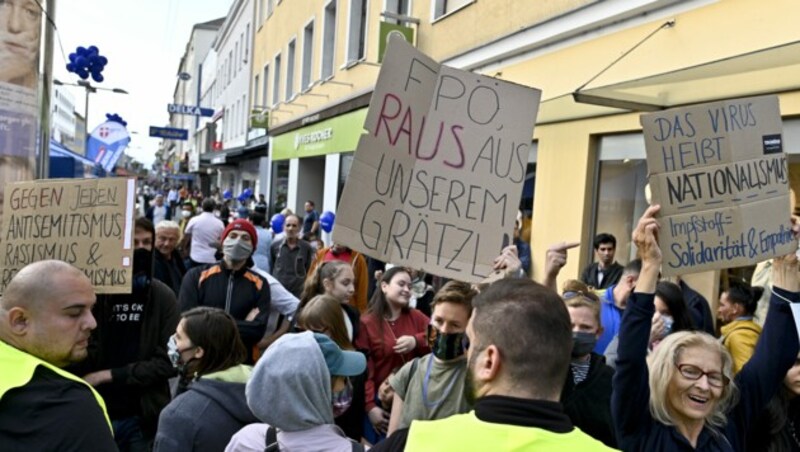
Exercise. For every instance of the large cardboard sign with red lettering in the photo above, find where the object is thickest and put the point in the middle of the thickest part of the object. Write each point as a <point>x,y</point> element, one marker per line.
<point>85,222</point>
<point>719,172</point>
<point>437,177</point>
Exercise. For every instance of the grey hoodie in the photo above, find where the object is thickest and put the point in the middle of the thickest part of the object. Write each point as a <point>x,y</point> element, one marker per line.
<point>290,389</point>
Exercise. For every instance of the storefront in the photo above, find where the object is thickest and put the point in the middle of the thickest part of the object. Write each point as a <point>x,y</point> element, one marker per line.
<point>313,162</point>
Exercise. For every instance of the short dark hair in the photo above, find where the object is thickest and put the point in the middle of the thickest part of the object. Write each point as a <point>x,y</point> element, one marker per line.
<point>672,296</point>
<point>311,202</point>
<point>257,218</point>
<point>146,225</point>
<point>634,267</point>
<point>743,294</point>
<point>209,205</point>
<point>215,331</point>
<point>531,327</point>
<point>604,237</point>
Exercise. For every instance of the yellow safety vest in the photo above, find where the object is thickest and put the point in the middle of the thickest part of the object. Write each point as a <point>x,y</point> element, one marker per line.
<point>465,432</point>
<point>18,368</point>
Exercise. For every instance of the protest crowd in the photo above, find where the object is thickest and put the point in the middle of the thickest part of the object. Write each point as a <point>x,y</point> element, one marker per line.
<point>244,335</point>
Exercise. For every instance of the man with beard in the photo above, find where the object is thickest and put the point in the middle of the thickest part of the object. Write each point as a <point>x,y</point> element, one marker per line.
<point>230,285</point>
<point>169,267</point>
<point>520,346</point>
<point>43,329</point>
<point>128,361</point>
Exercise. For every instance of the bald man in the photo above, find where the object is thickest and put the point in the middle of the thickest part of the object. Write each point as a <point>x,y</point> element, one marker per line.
<point>45,323</point>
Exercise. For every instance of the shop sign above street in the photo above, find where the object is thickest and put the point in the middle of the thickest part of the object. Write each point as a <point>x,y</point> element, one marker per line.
<point>190,110</point>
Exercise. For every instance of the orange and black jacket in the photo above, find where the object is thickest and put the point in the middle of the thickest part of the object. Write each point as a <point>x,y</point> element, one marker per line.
<point>237,292</point>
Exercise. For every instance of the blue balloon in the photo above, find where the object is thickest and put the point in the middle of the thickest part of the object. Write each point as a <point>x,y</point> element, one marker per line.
<point>80,50</point>
<point>277,223</point>
<point>326,221</point>
<point>70,67</point>
<point>72,57</point>
<point>227,194</point>
<point>81,61</point>
<point>103,60</point>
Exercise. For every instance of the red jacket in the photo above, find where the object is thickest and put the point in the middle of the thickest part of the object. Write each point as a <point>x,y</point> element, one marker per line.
<point>381,358</point>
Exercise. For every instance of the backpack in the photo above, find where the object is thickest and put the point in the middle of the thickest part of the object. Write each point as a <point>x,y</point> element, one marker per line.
<point>272,442</point>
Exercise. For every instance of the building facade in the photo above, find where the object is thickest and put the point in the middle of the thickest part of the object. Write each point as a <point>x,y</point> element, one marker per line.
<point>62,117</point>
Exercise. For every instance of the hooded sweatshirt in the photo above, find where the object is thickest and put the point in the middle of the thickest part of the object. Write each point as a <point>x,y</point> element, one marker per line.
<point>206,416</point>
<point>294,396</point>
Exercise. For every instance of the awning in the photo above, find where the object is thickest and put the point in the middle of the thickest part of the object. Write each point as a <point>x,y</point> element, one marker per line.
<point>766,71</point>
<point>59,150</point>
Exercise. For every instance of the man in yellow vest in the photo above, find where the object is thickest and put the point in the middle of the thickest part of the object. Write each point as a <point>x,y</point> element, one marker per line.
<point>520,347</point>
<point>45,322</point>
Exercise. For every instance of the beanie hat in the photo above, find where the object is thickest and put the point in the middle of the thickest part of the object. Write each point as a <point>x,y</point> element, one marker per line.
<point>242,225</point>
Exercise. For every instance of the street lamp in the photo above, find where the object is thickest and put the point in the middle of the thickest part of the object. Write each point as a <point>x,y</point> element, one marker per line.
<point>89,89</point>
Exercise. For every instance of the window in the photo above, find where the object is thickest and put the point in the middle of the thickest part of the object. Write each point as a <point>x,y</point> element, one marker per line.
<point>276,81</point>
<point>256,87</point>
<point>262,10</point>
<point>401,7</point>
<point>245,119</point>
<point>444,7</point>
<point>308,49</point>
<point>230,66</point>
<point>264,94</point>
<point>270,7</point>
<point>357,35</point>
<point>246,44</point>
<point>237,60</point>
<point>290,70</point>
<point>328,40</point>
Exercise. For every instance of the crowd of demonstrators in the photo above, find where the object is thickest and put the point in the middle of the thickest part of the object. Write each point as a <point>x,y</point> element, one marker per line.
<point>42,330</point>
<point>208,354</point>
<point>687,396</point>
<point>739,332</point>
<point>606,271</point>
<point>291,257</point>
<point>229,284</point>
<point>432,386</point>
<point>127,355</point>
<point>358,265</point>
<point>323,315</point>
<point>391,334</point>
<point>294,397</point>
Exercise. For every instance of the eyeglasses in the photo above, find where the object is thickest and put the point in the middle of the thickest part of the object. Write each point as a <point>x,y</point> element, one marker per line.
<point>694,373</point>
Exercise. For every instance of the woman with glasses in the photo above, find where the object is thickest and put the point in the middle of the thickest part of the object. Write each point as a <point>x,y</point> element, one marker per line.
<point>432,387</point>
<point>683,396</point>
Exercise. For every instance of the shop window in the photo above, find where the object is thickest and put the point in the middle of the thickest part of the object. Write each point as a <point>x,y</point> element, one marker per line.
<point>280,185</point>
<point>357,35</point>
<point>290,70</point>
<point>308,50</point>
<point>345,163</point>
<point>328,40</point>
<point>621,180</point>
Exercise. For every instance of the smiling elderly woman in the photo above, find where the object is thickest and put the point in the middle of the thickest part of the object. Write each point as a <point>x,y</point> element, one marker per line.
<point>687,398</point>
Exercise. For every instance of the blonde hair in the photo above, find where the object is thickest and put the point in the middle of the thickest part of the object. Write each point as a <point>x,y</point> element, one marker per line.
<point>663,366</point>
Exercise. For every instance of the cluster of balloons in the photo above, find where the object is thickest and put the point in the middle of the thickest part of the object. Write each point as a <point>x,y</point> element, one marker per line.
<point>245,195</point>
<point>326,221</point>
<point>85,61</point>
<point>116,118</point>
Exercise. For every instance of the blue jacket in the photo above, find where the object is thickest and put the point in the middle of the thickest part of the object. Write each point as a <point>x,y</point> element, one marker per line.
<point>758,381</point>
<point>610,319</point>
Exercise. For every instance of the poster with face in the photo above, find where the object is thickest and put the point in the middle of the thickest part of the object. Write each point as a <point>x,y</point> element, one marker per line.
<point>20,30</point>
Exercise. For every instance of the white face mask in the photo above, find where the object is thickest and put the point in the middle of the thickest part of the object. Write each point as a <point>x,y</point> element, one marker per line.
<point>237,250</point>
<point>186,213</point>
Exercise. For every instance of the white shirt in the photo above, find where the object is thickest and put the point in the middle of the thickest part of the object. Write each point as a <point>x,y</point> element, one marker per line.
<point>159,214</point>
<point>206,230</point>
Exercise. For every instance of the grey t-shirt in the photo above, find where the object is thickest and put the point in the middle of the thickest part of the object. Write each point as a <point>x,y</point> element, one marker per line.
<point>445,389</point>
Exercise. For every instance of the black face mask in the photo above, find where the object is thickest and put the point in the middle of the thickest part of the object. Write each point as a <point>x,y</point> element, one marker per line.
<point>583,343</point>
<point>142,268</point>
<point>445,346</point>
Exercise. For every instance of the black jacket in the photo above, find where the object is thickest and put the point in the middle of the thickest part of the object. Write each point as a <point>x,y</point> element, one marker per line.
<point>170,272</point>
<point>611,276</point>
<point>237,293</point>
<point>588,403</point>
<point>150,374</point>
<point>699,309</point>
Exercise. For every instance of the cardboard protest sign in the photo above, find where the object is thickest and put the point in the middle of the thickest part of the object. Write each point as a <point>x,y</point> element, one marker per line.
<point>436,180</point>
<point>85,222</point>
<point>720,175</point>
